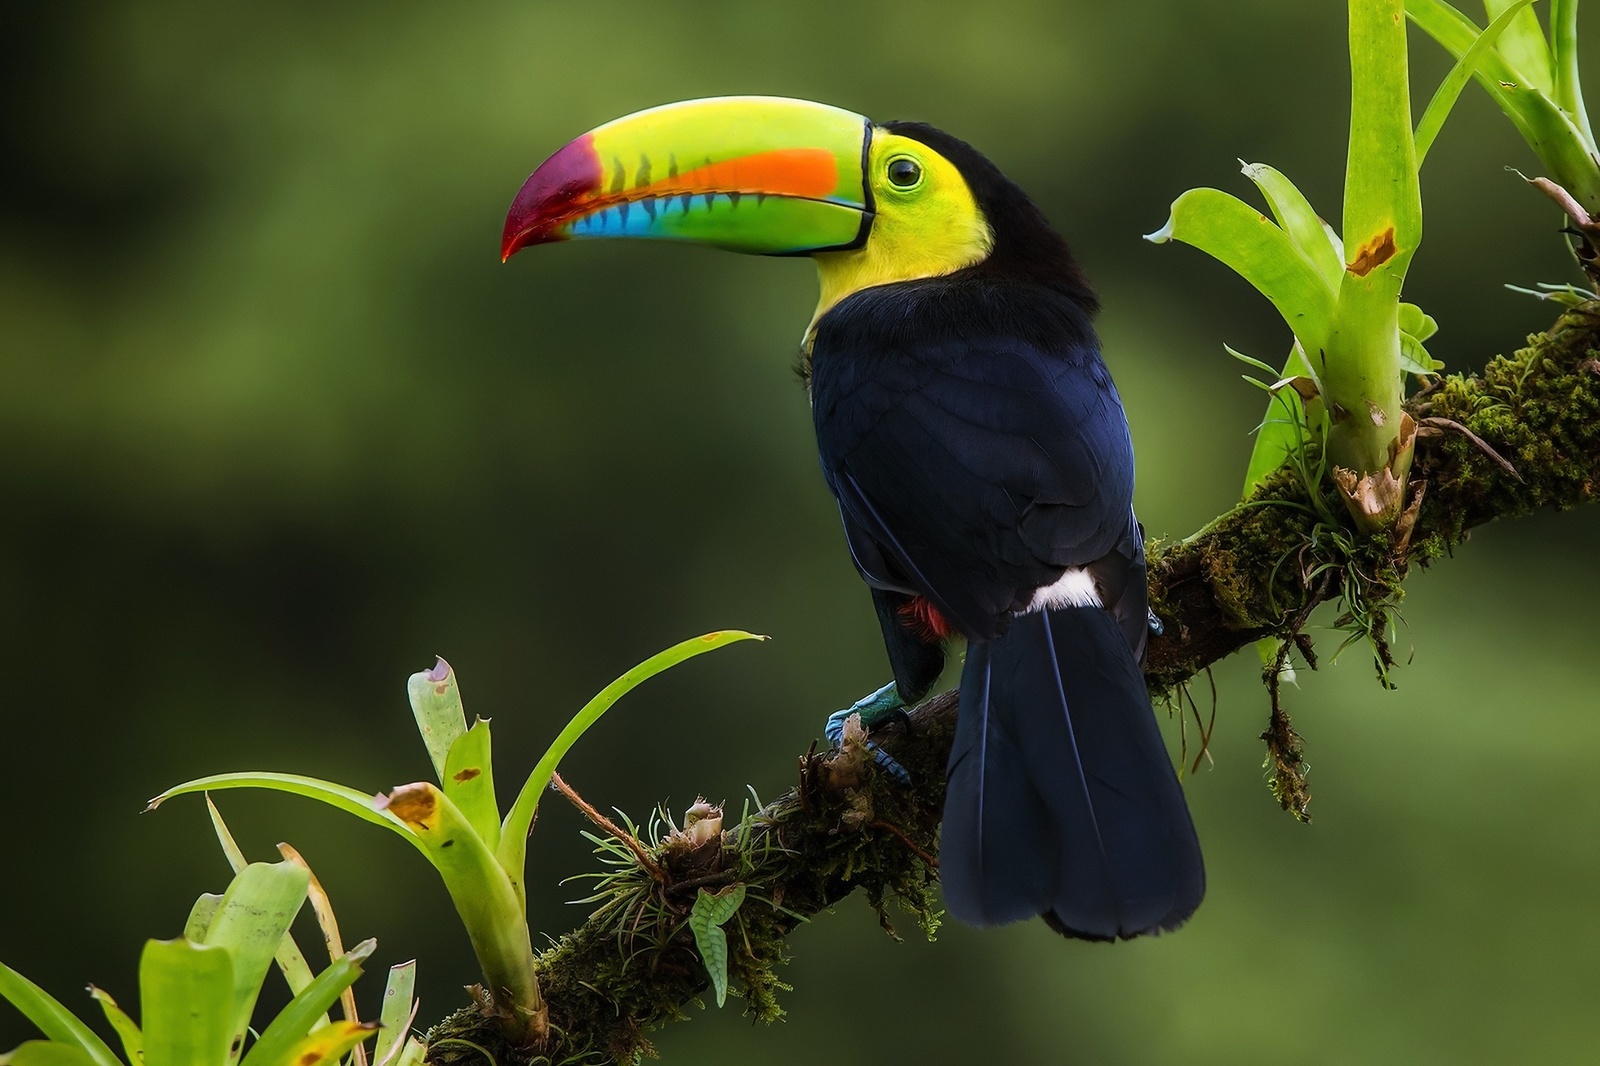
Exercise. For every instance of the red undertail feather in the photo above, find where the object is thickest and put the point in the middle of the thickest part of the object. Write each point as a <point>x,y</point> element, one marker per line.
<point>925,618</point>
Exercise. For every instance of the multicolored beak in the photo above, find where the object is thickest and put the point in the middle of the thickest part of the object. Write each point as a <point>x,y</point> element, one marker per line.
<point>759,174</point>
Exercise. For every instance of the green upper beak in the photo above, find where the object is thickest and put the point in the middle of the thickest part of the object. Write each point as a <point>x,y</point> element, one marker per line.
<point>760,174</point>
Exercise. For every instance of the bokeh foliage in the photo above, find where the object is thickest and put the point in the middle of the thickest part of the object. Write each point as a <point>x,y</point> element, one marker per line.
<point>276,424</point>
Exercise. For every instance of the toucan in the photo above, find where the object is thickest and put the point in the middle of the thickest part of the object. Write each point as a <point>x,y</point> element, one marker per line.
<point>981,461</point>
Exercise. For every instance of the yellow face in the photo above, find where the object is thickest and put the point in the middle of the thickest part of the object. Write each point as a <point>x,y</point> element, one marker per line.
<point>927,223</point>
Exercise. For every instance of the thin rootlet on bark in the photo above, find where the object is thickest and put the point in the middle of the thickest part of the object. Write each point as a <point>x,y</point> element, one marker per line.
<point>1523,434</point>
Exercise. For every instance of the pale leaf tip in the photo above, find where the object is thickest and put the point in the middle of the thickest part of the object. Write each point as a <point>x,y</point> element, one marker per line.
<point>440,671</point>
<point>1162,235</point>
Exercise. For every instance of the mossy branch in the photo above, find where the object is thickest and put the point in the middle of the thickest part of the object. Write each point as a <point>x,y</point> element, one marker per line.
<point>1522,435</point>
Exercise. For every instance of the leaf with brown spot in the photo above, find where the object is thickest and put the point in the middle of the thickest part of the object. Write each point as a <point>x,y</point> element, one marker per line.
<point>1376,252</point>
<point>469,781</point>
<point>414,804</point>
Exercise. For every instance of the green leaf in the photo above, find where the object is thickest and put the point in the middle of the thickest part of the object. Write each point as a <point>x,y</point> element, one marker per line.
<point>1417,322</point>
<point>1283,428</point>
<point>436,703</point>
<point>397,1009</point>
<point>201,916</point>
<point>478,885</point>
<point>1359,369</point>
<point>256,910</point>
<point>1564,60</point>
<point>325,1044</point>
<point>47,1053</point>
<point>1444,98</point>
<point>1380,186</point>
<point>1228,229</point>
<point>127,1030</point>
<point>1414,358</point>
<point>519,820</point>
<point>1300,221</point>
<point>1267,368</point>
<point>186,999</point>
<point>413,1054</point>
<point>291,960</point>
<point>345,799</point>
<point>1523,43</point>
<point>469,781</point>
<point>1566,149</point>
<point>706,919</point>
<point>278,1041</point>
<point>230,847</point>
<point>53,1020</point>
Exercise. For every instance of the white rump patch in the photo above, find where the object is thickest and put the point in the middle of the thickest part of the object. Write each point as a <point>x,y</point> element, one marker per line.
<point>1075,588</point>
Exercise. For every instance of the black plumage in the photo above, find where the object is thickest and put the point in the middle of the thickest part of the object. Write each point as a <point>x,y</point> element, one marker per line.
<point>978,449</point>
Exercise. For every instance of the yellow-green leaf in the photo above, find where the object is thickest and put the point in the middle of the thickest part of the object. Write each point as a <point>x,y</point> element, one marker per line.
<point>1523,43</point>
<point>47,1053</point>
<point>436,703</point>
<point>186,1002</point>
<point>469,781</point>
<point>325,1044</point>
<point>1228,229</point>
<point>255,912</point>
<point>398,1010</point>
<point>291,960</point>
<point>126,1028</point>
<point>1444,97</point>
<point>1283,427</point>
<point>278,1042</point>
<point>478,885</point>
<point>344,798</point>
<point>1300,221</point>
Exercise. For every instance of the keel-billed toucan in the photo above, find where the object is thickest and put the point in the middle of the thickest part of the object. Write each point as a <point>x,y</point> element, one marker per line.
<point>982,465</point>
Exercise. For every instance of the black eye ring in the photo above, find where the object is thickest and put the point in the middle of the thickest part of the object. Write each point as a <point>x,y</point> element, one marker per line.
<point>904,172</point>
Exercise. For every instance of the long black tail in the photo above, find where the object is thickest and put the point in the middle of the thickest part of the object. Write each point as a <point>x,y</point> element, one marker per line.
<point>1062,800</point>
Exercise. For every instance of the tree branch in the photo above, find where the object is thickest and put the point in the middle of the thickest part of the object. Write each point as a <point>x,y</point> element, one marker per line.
<point>1522,435</point>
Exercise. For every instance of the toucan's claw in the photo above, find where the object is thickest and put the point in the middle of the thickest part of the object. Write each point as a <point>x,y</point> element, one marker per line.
<point>883,705</point>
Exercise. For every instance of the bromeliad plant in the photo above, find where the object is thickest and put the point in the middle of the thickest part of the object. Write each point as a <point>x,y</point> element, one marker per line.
<point>197,993</point>
<point>1336,408</point>
<point>457,826</point>
<point>1534,79</point>
<point>1335,411</point>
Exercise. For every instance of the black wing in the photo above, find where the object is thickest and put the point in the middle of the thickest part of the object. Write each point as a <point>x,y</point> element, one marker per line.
<point>971,468</point>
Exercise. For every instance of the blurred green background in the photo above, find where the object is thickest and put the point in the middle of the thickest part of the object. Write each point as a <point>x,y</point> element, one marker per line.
<point>276,426</point>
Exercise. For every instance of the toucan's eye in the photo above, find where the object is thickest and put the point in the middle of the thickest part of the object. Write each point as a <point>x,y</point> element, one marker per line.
<point>904,172</point>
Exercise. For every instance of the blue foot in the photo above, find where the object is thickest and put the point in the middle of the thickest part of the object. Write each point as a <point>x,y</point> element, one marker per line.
<point>874,709</point>
<point>1155,623</point>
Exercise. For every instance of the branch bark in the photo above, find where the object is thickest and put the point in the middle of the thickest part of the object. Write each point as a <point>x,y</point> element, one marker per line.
<point>1523,434</point>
